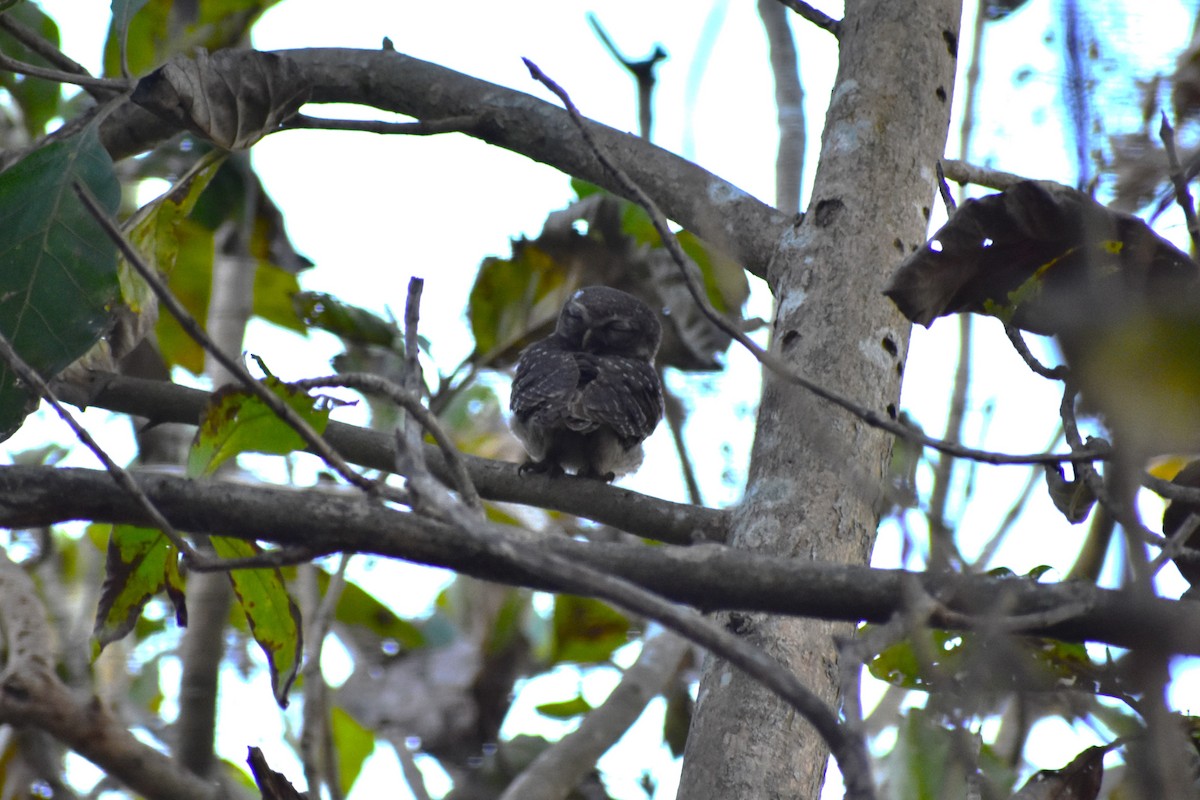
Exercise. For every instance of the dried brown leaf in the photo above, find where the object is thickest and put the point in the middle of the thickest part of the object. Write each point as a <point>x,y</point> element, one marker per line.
<point>232,97</point>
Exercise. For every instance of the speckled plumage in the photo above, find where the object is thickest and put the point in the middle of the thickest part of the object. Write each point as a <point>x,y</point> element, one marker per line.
<point>585,397</point>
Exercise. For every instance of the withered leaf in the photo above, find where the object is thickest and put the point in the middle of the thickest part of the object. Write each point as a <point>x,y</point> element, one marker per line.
<point>1040,256</point>
<point>1079,780</point>
<point>231,97</point>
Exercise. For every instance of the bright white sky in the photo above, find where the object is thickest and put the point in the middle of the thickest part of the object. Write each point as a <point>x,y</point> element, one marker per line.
<point>371,211</point>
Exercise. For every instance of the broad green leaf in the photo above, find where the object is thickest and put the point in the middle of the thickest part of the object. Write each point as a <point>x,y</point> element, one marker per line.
<point>677,719</point>
<point>357,607</point>
<point>59,275</point>
<point>565,709</point>
<point>958,661</point>
<point>140,563</point>
<point>930,761</point>
<point>273,618</point>
<point>122,12</point>
<point>353,743</point>
<point>147,34</point>
<point>236,421</point>
<point>191,283</point>
<point>586,631</point>
<point>38,100</point>
<point>347,322</point>
<point>154,229</point>
<point>158,231</point>
<point>512,297</point>
<point>273,292</point>
<point>725,281</point>
<point>155,31</point>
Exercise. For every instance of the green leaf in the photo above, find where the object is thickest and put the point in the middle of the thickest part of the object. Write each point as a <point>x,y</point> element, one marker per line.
<point>156,31</point>
<point>236,421</point>
<point>154,229</point>
<point>677,719</point>
<point>513,297</point>
<point>59,275</point>
<point>146,32</point>
<point>347,322</point>
<point>191,283</point>
<point>122,12</point>
<point>565,709</point>
<point>353,743</point>
<point>586,631</point>
<point>273,292</point>
<point>357,607</point>
<point>273,618</point>
<point>39,100</point>
<point>928,763</point>
<point>958,661</point>
<point>140,563</point>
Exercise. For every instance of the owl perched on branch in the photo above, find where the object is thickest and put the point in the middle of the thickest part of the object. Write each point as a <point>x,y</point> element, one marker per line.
<point>585,397</point>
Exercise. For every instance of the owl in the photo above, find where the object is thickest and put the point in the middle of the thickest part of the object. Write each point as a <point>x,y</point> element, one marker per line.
<point>585,397</point>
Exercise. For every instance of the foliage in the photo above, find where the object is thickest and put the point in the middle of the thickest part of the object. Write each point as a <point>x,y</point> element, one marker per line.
<point>1121,299</point>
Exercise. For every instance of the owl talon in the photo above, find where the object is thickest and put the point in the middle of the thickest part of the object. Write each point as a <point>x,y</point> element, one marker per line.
<point>592,475</point>
<point>547,468</point>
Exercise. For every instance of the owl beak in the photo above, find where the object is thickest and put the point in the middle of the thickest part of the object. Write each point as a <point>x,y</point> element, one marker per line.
<point>587,335</point>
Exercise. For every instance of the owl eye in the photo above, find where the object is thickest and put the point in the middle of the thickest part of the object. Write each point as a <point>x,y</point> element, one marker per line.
<point>620,326</point>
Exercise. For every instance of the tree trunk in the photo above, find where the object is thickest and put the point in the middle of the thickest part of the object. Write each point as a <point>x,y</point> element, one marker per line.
<point>816,472</point>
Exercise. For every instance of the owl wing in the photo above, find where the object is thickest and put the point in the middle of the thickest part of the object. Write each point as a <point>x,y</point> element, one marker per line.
<point>625,395</point>
<point>546,381</point>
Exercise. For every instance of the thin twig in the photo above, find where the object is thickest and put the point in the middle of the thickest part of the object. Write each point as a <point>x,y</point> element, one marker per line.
<point>1058,373</point>
<point>818,18</point>
<point>789,105</point>
<point>31,378</point>
<point>59,76</point>
<point>1183,195</point>
<point>769,360</point>
<point>964,172</point>
<point>55,57</point>
<point>642,72</point>
<point>375,384</point>
<point>317,724</point>
<point>283,557</point>
<point>408,765</point>
<point>1010,518</point>
<point>272,401</point>
<point>419,128</point>
<point>944,191</point>
<point>414,382</point>
<point>941,540</point>
<point>1176,543</point>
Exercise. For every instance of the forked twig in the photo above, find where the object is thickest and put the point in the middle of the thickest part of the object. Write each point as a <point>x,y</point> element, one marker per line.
<point>1183,196</point>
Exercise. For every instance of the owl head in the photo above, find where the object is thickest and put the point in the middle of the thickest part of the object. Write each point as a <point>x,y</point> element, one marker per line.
<point>609,322</point>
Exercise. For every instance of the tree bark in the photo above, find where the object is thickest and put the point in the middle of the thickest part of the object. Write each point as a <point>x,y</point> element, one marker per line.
<point>816,473</point>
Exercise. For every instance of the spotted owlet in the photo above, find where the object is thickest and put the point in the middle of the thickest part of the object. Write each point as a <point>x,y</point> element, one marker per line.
<point>586,396</point>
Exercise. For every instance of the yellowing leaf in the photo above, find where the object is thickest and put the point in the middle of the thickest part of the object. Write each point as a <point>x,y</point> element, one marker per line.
<point>273,618</point>
<point>140,563</point>
<point>239,422</point>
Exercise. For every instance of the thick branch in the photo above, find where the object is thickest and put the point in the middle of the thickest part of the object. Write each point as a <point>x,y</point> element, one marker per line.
<point>709,577</point>
<point>650,517</point>
<point>32,694</point>
<point>710,207</point>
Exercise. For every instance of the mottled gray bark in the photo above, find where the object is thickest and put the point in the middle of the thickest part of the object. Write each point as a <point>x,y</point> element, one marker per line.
<point>816,472</point>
